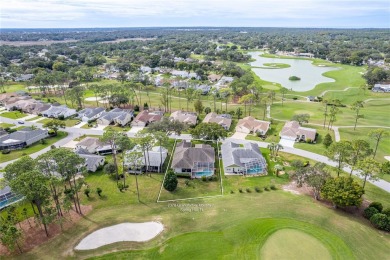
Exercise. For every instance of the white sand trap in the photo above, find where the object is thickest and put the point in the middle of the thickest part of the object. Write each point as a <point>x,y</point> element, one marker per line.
<point>135,232</point>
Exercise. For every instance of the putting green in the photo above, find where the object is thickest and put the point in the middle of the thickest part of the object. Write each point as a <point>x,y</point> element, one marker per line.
<point>293,244</point>
<point>247,240</point>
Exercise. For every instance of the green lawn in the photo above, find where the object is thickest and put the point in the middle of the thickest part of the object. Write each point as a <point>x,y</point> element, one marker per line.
<point>362,133</point>
<point>68,122</point>
<point>375,113</point>
<point>33,148</point>
<point>13,114</point>
<point>5,125</point>
<point>276,66</point>
<point>34,118</point>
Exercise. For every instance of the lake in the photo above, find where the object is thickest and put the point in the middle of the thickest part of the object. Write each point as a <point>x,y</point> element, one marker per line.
<point>310,74</point>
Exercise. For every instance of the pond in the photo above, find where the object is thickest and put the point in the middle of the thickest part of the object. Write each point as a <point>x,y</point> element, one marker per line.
<point>309,74</point>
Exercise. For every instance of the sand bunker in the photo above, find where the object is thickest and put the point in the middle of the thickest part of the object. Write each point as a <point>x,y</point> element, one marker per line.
<point>135,232</point>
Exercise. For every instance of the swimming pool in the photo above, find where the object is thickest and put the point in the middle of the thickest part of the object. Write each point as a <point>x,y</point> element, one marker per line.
<point>203,173</point>
<point>257,170</point>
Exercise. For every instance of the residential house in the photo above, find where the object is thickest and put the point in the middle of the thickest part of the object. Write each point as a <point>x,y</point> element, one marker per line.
<point>204,89</point>
<point>214,77</point>
<point>22,138</point>
<point>224,120</point>
<point>381,88</point>
<point>92,161</point>
<point>7,197</point>
<point>19,103</point>
<point>223,82</point>
<point>243,160</point>
<point>195,161</point>
<point>294,132</point>
<point>57,111</point>
<point>146,117</point>
<point>9,103</point>
<point>250,124</point>
<point>24,77</point>
<point>37,108</point>
<point>189,118</point>
<point>116,116</point>
<point>88,114</point>
<point>93,146</point>
<point>145,69</point>
<point>150,161</point>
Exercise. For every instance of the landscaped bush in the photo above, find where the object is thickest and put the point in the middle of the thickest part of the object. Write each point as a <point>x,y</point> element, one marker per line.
<point>369,212</point>
<point>295,98</point>
<point>170,181</point>
<point>204,178</point>
<point>5,151</point>
<point>386,212</point>
<point>309,141</point>
<point>187,183</point>
<point>136,108</point>
<point>99,191</point>
<point>210,178</point>
<point>380,221</point>
<point>232,192</point>
<point>257,189</point>
<point>240,190</point>
<point>273,187</point>
<point>61,117</point>
<point>266,188</point>
<point>87,191</point>
<point>377,205</point>
<point>248,190</point>
<point>214,178</point>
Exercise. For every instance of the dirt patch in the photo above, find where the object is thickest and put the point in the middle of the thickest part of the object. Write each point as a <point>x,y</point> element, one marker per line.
<point>34,235</point>
<point>293,188</point>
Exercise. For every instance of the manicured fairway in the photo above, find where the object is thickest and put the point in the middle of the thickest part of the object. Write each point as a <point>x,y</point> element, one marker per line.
<point>293,244</point>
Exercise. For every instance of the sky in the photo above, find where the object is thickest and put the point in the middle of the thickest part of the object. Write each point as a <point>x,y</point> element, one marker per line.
<point>192,13</point>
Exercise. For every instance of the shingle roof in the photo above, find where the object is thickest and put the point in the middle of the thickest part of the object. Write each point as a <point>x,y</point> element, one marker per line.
<point>234,154</point>
<point>154,155</point>
<point>146,116</point>
<point>185,156</point>
<point>90,112</point>
<point>184,117</point>
<point>224,119</point>
<point>253,124</point>
<point>292,129</point>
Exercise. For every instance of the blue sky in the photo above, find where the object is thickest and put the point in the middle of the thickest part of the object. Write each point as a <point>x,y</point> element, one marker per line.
<point>147,13</point>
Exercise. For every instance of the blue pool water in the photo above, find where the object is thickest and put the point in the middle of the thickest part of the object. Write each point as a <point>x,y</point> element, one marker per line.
<point>254,170</point>
<point>204,173</point>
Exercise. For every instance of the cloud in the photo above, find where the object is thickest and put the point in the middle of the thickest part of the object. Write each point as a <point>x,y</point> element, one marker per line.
<point>87,13</point>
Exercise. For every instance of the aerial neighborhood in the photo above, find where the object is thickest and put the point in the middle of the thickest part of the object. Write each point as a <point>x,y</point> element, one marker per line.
<point>144,142</point>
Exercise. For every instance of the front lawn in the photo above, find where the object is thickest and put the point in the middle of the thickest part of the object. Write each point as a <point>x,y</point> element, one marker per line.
<point>318,147</point>
<point>15,154</point>
<point>13,114</point>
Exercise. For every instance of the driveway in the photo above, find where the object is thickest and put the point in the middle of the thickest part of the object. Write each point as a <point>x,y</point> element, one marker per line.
<point>134,130</point>
<point>287,143</point>
<point>100,127</point>
<point>80,124</point>
<point>239,135</point>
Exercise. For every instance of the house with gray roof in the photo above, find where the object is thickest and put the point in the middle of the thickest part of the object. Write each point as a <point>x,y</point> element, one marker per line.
<point>22,138</point>
<point>58,111</point>
<point>88,114</point>
<point>381,88</point>
<point>92,161</point>
<point>150,161</point>
<point>194,161</point>
<point>243,160</point>
<point>116,116</point>
<point>93,146</point>
<point>7,197</point>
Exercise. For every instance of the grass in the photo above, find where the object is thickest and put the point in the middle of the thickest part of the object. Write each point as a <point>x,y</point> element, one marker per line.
<point>5,125</point>
<point>34,118</point>
<point>68,122</point>
<point>15,154</point>
<point>293,242</point>
<point>275,66</point>
<point>13,114</point>
<point>375,113</point>
<point>118,128</point>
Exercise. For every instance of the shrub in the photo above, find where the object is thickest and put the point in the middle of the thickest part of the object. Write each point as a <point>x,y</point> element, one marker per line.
<point>266,188</point>
<point>295,98</point>
<point>43,141</point>
<point>377,205</point>
<point>204,178</point>
<point>87,191</point>
<point>120,186</point>
<point>5,151</point>
<point>187,183</point>
<point>53,146</point>
<point>309,141</point>
<point>294,78</point>
<point>232,192</point>
<point>99,191</point>
<point>170,181</point>
<point>369,212</point>
<point>61,117</point>
<point>136,108</point>
<point>248,190</point>
<point>240,190</point>
<point>214,178</point>
<point>210,178</point>
<point>380,221</point>
<point>257,189</point>
<point>386,212</point>
<point>109,168</point>
<point>273,187</point>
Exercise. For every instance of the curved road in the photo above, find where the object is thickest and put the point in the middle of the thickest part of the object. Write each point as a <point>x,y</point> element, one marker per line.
<point>76,132</point>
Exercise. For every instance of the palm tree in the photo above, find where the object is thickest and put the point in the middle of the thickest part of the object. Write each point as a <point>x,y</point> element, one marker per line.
<point>278,168</point>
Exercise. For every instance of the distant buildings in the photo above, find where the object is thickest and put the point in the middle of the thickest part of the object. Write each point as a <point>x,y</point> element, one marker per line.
<point>22,138</point>
<point>294,132</point>
<point>381,88</point>
<point>250,124</point>
<point>224,120</point>
<point>189,118</point>
<point>243,160</point>
<point>195,161</point>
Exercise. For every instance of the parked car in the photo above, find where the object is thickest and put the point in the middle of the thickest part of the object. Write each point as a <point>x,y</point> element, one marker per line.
<point>21,122</point>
